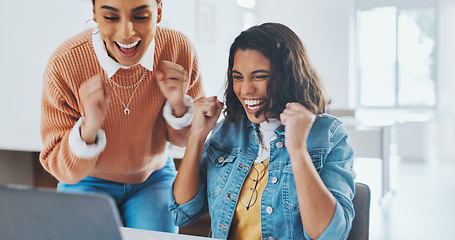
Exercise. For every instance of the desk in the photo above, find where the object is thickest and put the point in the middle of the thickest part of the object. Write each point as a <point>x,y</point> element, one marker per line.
<point>138,234</point>
<point>372,140</point>
<point>19,159</point>
<point>20,145</point>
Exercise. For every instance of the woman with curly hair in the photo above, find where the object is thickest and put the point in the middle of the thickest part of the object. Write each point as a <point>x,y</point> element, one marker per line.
<point>277,166</point>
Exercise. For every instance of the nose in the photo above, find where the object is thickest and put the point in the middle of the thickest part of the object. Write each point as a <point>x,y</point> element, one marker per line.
<point>247,87</point>
<point>127,29</point>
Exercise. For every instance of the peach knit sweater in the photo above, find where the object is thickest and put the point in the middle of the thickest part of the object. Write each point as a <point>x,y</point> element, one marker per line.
<point>136,143</point>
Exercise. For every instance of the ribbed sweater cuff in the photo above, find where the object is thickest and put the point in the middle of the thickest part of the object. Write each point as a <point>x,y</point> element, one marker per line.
<point>80,148</point>
<point>185,120</point>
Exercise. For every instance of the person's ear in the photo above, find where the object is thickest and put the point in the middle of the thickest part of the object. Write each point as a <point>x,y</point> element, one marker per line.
<point>159,9</point>
<point>94,14</point>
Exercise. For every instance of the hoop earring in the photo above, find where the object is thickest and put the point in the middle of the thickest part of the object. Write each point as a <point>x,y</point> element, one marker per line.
<point>96,30</point>
<point>89,24</point>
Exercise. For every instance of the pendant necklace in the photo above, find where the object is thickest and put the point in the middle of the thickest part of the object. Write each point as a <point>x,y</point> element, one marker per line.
<point>127,111</point>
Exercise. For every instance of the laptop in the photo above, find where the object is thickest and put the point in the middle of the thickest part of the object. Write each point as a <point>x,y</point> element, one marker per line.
<point>28,213</point>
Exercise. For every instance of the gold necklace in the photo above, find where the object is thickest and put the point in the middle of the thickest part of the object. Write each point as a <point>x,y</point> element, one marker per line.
<point>130,86</point>
<point>127,77</point>
<point>127,111</point>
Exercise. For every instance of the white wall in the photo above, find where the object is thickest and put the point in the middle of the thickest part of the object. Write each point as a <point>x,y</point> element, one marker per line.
<point>445,117</point>
<point>326,29</point>
<point>183,15</point>
<point>30,31</point>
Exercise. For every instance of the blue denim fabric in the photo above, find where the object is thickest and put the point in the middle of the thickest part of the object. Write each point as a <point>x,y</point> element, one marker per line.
<point>229,154</point>
<point>143,205</point>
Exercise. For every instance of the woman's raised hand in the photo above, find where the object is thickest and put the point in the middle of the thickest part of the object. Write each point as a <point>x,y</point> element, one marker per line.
<point>206,114</point>
<point>95,97</point>
<point>173,81</point>
<point>298,121</point>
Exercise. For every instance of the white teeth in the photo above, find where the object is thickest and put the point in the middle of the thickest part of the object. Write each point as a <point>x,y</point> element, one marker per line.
<point>252,108</point>
<point>253,102</point>
<point>129,45</point>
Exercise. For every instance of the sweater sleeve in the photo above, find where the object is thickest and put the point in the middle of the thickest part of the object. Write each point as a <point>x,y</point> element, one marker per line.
<point>59,115</point>
<point>80,148</point>
<point>185,120</point>
<point>189,60</point>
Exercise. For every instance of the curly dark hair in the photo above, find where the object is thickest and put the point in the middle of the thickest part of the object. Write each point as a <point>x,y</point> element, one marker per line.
<point>293,79</point>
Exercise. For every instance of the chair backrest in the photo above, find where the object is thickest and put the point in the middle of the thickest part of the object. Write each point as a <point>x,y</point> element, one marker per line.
<point>361,223</point>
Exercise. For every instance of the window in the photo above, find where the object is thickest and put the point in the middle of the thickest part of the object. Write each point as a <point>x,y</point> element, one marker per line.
<point>249,15</point>
<point>397,56</point>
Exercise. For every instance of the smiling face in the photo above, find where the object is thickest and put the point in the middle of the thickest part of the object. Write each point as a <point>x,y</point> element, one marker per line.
<point>127,27</point>
<point>251,73</point>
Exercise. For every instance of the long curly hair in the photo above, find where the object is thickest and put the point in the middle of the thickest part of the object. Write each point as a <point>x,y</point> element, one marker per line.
<point>293,78</point>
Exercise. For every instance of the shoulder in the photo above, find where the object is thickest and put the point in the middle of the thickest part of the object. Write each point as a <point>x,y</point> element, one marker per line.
<point>179,41</point>
<point>75,44</point>
<point>167,35</point>
<point>326,122</point>
<point>73,55</point>
<point>231,134</point>
<point>327,129</point>
<point>234,128</point>
<point>163,34</point>
<point>64,66</point>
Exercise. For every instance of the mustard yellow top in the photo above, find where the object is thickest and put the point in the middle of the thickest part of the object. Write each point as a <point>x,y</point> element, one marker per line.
<point>246,223</point>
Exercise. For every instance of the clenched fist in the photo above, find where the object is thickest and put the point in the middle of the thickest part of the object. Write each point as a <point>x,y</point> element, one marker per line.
<point>95,98</point>
<point>173,81</point>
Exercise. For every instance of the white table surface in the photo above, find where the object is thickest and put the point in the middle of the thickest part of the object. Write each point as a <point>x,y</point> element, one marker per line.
<point>138,234</point>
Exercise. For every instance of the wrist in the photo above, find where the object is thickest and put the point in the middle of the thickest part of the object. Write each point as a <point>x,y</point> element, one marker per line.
<point>179,110</point>
<point>300,156</point>
<point>197,136</point>
<point>87,135</point>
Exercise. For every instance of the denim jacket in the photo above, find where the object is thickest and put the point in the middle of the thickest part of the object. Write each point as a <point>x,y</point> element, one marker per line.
<point>228,156</point>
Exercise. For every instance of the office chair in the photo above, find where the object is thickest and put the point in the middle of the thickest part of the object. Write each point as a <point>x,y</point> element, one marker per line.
<point>361,223</point>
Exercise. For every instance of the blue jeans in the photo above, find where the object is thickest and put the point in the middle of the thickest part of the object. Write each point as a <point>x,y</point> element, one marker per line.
<point>142,205</point>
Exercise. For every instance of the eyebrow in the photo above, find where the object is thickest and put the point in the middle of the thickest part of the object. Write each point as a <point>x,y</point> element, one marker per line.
<point>133,10</point>
<point>260,71</point>
<point>140,8</point>
<point>110,8</point>
<point>254,72</point>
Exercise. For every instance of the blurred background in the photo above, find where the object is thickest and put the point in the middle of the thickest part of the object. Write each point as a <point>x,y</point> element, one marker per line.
<point>387,65</point>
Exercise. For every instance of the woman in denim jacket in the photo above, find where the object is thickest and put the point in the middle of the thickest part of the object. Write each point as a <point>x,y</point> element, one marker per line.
<point>277,167</point>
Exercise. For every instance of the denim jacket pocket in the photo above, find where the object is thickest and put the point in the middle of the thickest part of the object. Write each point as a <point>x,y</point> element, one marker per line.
<point>290,200</point>
<point>318,156</point>
<point>220,165</point>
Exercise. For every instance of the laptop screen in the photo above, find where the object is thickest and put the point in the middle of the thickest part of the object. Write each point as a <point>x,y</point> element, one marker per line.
<point>28,213</point>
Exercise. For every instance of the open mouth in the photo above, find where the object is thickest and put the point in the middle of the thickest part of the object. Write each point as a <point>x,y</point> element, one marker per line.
<point>128,49</point>
<point>253,104</point>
